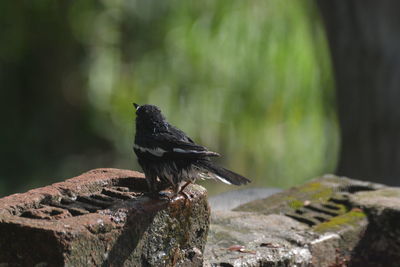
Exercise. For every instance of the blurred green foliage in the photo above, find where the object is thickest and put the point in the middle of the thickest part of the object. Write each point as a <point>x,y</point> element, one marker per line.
<point>250,79</point>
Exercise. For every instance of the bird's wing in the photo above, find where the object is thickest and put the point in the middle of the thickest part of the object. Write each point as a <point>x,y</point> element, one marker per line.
<point>169,145</point>
<point>180,135</point>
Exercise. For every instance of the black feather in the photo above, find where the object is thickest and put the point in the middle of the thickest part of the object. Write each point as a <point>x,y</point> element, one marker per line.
<point>225,174</point>
<point>167,154</point>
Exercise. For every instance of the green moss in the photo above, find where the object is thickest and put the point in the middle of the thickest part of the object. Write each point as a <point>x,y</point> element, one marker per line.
<point>311,187</point>
<point>323,195</point>
<point>350,218</point>
<point>296,204</point>
<point>315,191</point>
<point>342,208</point>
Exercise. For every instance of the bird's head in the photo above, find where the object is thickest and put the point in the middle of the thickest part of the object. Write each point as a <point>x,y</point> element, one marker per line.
<point>149,118</point>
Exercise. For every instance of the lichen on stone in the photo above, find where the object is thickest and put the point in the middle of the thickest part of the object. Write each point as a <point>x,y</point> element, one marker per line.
<point>350,218</point>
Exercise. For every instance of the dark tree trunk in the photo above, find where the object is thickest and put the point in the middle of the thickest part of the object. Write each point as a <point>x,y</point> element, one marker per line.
<point>45,110</point>
<point>364,38</point>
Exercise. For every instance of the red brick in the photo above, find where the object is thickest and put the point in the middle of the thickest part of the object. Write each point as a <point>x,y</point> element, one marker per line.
<point>102,218</point>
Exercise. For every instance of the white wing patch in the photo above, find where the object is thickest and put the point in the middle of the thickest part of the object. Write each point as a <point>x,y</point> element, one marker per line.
<point>180,150</point>
<point>222,179</point>
<point>189,151</point>
<point>210,175</point>
<point>158,152</point>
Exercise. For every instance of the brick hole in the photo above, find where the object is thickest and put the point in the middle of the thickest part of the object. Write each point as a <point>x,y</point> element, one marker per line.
<point>102,197</point>
<point>303,219</point>
<point>89,207</point>
<point>46,213</point>
<point>111,192</point>
<point>322,210</point>
<point>321,219</point>
<point>340,199</point>
<point>331,206</point>
<point>121,188</point>
<point>95,202</point>
<point>55,212</point>
<point>72,205</point>
<point>73,208</point>
<point>299,211</point>
<point>138,185</point>
<point>355,188</point>
<point>66,201</point>
<point>77,212</point>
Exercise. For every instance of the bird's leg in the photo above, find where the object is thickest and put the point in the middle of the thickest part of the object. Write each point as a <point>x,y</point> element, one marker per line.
<point>182,188</point>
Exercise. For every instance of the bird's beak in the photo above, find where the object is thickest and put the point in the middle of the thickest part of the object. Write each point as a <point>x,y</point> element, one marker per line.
<point>136,106</point>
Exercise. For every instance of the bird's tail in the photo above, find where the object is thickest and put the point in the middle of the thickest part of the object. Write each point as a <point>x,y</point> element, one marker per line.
<point>222,174</point>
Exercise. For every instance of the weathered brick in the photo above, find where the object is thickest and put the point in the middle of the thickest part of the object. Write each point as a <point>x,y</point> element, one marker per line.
<point>330,221</point>
<point>101,218</point>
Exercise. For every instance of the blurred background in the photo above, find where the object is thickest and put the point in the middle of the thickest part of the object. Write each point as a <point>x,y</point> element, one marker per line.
<point>250,79</point>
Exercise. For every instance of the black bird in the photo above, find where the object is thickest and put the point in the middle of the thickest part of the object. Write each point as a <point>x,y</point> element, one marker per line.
<point>168,156</point>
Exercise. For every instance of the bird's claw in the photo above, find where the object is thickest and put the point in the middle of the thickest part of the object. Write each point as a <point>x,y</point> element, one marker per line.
<point>166,195</point>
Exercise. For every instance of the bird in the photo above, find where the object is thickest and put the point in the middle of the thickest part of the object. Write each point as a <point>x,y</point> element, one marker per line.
<point>170,158</point>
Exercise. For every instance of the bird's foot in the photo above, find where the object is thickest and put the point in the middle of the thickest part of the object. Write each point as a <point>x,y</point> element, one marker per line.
<point>171,196</point>
<point>185,195</point>
<point>166,195</point>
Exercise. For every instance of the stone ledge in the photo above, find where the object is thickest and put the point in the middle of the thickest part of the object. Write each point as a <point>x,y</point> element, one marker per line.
<point>102,218</point>
<point>330,221</point>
